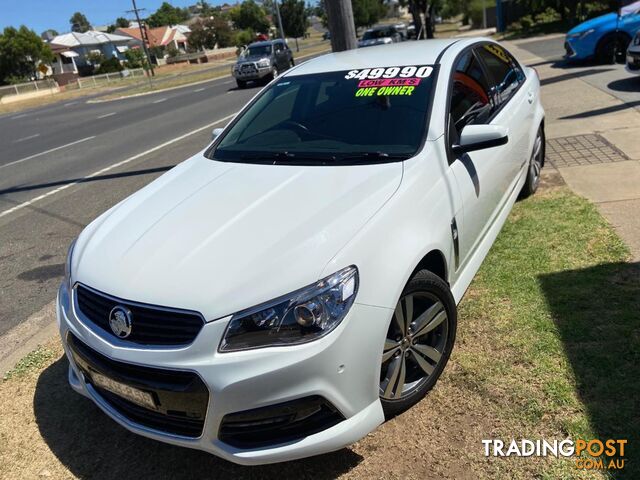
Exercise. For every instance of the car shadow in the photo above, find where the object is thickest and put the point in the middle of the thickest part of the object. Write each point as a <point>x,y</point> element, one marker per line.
<point>596,311</point>
<point>631,84</point>
<point>91,445</point>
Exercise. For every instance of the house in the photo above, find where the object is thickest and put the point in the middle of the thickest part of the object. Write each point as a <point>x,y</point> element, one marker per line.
<point>161,39</point>
<point>71,50</point>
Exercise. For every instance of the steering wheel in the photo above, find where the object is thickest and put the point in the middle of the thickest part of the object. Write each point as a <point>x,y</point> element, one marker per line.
<point>296,126</point>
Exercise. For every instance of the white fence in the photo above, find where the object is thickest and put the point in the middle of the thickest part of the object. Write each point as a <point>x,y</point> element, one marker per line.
<point>106,78</point>
<point>28,87</point>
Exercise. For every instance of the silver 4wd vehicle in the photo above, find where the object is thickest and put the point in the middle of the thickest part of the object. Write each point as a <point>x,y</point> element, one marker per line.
<point>262,61</point>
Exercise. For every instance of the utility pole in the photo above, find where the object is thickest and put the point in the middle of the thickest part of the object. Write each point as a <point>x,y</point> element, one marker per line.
<point>144,37</point>
<point>279,21</point>
<point>341,25</point>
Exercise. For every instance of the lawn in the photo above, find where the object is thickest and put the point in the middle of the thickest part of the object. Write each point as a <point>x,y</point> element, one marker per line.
<point>548,347</point>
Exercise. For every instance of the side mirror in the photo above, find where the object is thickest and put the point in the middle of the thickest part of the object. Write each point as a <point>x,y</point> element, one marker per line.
<point>479,137</point>
<point>216,132</point>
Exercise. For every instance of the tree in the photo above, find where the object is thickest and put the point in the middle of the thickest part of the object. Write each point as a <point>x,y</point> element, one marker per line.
<point>250,15</point>
<point>167,14</point>
<point>210,32</point>
<point>122,22</point>
<point>367,12</point>
<point>294,19</point>
<point>206,10</point>
<point>79,23</point>
<point>49,34</point>
<point>243,37</point>
<point>21,50</point>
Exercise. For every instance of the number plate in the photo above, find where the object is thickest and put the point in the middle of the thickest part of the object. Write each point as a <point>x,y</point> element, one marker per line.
<point>134,395</point>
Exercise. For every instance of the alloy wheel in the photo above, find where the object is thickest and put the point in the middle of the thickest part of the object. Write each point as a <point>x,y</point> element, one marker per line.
<point>414,346</point>
<point>536,161</point>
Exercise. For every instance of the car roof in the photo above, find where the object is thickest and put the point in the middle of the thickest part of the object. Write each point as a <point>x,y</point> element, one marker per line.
<point>418,52</point>
<point>264,43</point>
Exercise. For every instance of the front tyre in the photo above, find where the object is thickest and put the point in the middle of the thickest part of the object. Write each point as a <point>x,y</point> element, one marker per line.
<point>418,343</point>
<point>241,83</point>
<point>612,48</point>
<point>535,166</point>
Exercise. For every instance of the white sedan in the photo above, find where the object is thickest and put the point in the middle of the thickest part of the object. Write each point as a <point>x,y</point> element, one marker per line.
<point>284,291</point>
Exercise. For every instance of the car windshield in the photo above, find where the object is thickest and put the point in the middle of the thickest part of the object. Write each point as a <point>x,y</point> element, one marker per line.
<point>357,116</point>
<point>258,51</point>
<point>373,34</point>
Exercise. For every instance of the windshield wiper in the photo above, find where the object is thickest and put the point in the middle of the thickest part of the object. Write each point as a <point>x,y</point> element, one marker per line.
<point>287,157</point>
<point>372,157</point>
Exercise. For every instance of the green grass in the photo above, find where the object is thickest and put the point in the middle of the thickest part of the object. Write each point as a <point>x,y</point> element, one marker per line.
<point>558,306</point>
<point>32,362</point>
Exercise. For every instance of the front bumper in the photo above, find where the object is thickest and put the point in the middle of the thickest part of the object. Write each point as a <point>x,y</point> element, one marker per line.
<point>255,73</point>
<point>579,48</point>
<point>633,62</point>
<point>341,368</point>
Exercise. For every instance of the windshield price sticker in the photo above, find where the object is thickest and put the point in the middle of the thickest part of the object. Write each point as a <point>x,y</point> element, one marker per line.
<point>388,81</point>
<point>422,71</point>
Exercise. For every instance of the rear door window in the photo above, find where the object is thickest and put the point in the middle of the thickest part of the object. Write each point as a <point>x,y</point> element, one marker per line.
<point>505,74</point>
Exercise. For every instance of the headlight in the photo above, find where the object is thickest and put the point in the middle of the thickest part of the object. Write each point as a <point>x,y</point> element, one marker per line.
<point>299,317</point>
<point>264,62</point>
<point>67,265</point>
<point>581,35</point>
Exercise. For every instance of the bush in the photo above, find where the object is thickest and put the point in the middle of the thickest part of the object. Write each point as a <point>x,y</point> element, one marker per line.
<point>549,15</point>
<point>111,65</point>
<point>527,22</point>
<point>135,58</point>
<point>96,58</point>
<point>172,51</point>
<point>86,70</point>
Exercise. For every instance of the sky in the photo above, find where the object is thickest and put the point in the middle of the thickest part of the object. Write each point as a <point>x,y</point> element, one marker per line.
<point>40,15</point>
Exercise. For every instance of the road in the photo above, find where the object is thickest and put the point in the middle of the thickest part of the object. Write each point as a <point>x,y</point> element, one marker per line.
<point>48,153</point>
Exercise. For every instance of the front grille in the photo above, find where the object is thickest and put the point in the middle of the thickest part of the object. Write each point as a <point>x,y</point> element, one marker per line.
<point>248,68</point>
<point>568,50</point>
<point>281,423</point>
<point>181,397</point>
<point>149,325</point>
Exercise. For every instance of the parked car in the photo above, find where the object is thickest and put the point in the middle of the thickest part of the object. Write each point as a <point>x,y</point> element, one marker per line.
<point>262,61</point>
<point>633,55</point>
<point>284,291</point>
<point>604,38</point>
<point>402,29</point>
<point>380,36</point>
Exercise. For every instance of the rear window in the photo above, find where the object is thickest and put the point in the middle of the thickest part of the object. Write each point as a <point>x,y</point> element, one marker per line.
<point>358,115</point>
<point>372,34</point>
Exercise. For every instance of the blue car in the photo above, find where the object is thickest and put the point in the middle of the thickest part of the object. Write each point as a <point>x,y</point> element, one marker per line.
<point>604,38</point>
